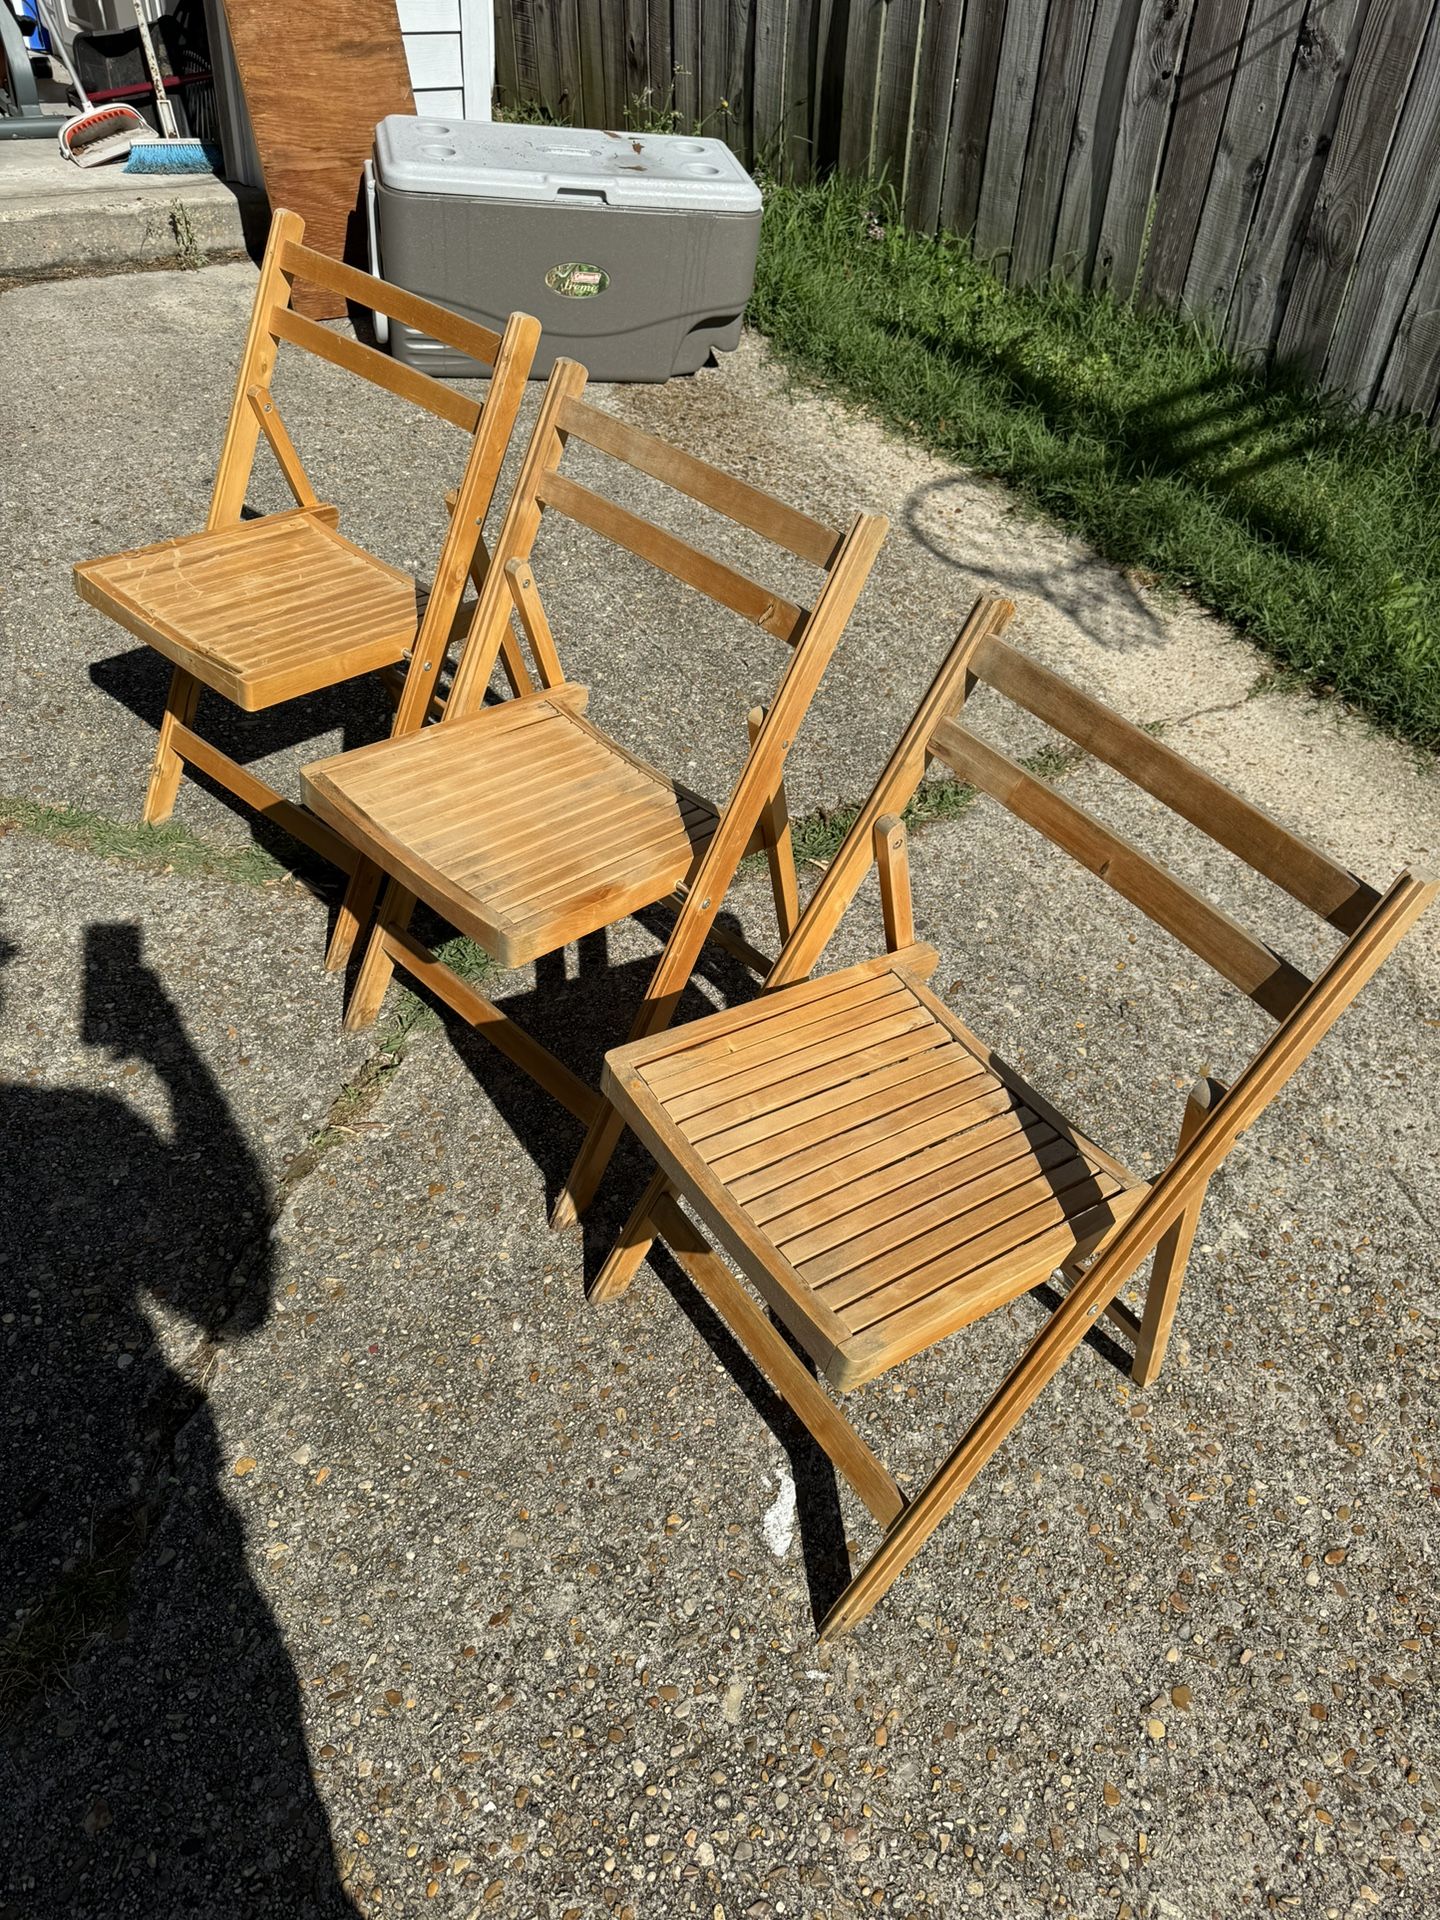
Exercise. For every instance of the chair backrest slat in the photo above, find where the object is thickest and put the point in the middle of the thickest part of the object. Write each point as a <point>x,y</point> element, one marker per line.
<point>761,772</point>
<point>1291,862</point>
<point>1284,992</point>
<point>748,506</point>
<point>379,296</point>
<point>489,425</point>
<point>672,555</point>
<point>378,368</point>
<point>565,416</point>
<point>496,603</point>
<point>893,792</point>
<point>1271,982</point>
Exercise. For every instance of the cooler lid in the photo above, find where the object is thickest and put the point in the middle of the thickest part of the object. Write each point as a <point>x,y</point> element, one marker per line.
<point>499,161</point>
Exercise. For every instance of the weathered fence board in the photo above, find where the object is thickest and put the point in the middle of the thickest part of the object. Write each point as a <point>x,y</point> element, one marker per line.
<point>635,77</point>
<point>769,77</point>
<point>661,55</point>
<point>930,126</point>
<point>1242,155</point>
<point>685,48</point>
<point>1140,137</point>
<point>1092,141</point>
<point>523,48</point>
<point>1269,167</point>
<point>973,110</point>
<point>507,79</point>
<point>1394,239</point>
<point>1200,102</point>
<point>1414,364</point>
<point>797,107</point>
<point>714,58</point>
<point>1015,84</point>
<point>1057,97</point>
<point>894,96</point>
<point>864,37</point>
<point>1384,61</point>
<point>1325,48</point>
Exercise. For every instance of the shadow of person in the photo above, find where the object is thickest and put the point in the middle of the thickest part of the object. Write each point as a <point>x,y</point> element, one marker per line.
<point>152,1759</point>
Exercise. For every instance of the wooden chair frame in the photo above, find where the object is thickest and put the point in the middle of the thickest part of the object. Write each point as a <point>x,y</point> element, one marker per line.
<point>254,414</point>
<point>755,815</point>
<point>1162,1221</point>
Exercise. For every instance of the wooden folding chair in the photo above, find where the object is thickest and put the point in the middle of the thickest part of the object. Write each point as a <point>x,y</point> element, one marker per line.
<point>883,1179</point>
<point>525,826</point>
<point>264,610</point>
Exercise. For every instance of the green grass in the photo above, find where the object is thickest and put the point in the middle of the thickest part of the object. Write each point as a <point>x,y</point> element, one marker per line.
<point>818,836</point>
<point>167,849</point>
<point>1314,530</point>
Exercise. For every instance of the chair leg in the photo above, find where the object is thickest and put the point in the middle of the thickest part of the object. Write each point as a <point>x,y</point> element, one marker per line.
<point>779,846</point>
<point>904,1539</point>
<point>892,861</point>
<point>368,993</point>
<point>752,1329</point>
<point>602,1137</point>
<point>513,663</point>
<point>1046,1354</point>
<point>355,910</point>
<point>1167,1271</point>
<point>180,704</point>
<point>622,1263</point>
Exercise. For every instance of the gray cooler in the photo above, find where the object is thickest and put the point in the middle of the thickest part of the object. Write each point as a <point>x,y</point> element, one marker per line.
<point>636,252</point>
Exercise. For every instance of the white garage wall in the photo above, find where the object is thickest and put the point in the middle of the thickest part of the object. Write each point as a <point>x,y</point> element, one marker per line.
<point>449,47</point>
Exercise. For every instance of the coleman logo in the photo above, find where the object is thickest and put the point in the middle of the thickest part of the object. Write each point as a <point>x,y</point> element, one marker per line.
<point>575,281</point>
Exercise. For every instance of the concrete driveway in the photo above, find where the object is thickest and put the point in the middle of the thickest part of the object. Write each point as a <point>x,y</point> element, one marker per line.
<point>358,1565</point>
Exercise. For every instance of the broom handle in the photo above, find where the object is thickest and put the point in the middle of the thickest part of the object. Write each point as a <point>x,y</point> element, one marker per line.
<point>163,108</point>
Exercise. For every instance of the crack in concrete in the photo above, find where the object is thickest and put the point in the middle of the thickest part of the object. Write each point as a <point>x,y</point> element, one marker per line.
<point>1201,713</point>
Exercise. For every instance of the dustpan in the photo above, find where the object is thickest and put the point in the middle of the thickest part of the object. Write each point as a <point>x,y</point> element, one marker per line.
<point>104,133</point>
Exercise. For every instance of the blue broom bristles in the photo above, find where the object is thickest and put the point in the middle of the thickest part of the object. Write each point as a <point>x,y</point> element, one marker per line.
<point>173,156</point>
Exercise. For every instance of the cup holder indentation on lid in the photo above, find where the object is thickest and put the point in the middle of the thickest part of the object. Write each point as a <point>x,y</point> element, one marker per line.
<point>435,150</point>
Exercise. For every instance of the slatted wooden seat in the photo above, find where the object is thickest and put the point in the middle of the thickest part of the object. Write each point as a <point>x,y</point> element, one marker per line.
<point>903,1180</point>
<point>265,610</point>
<point>529,828</point>
<point>882,1180</point>
<point>524,825</point>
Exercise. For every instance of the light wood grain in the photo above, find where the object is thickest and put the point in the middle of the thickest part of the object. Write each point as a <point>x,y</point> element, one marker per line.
<point>314,117</point>
<point>261,613</point>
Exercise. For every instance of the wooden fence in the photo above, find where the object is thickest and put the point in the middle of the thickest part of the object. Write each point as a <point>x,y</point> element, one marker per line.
<point>1270,166</point>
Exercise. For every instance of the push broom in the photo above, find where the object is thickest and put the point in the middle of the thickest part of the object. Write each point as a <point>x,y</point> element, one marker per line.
<point>169,154</point>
